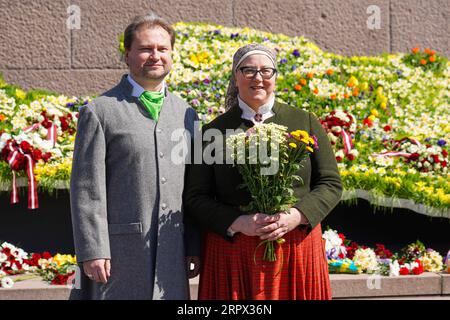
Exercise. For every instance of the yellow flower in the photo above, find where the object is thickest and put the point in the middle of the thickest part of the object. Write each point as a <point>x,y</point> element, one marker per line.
<point>374,112</point>
<point>300,135</point>
<point>61,259</point>
<point>309,149</point>
<point>292,145</point>
<point>352,82</point>
<point>364,86</point>
<point>20,94</point>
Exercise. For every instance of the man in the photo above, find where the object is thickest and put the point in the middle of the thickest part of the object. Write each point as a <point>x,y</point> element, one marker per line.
<point>126,193</point>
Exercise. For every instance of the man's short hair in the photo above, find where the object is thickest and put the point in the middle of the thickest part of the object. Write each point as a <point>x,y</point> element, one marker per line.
<point>148,21</point>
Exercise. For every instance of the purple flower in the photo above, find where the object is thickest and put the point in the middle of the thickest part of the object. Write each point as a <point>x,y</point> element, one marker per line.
<point>70,105</point>
<point>195,102</point>
<point>296,53</point>
<point>316,142</point>
<point>210,110</point>
<point>441,142</point>
<point>206,81</point>
<point>283,61</point>
<point>234,35</point>
<point>294,67</point>
<point>216,32</point>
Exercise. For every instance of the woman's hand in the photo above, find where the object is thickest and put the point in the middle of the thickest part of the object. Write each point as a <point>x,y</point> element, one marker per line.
<point>250,224</point>
<point>284,222</point>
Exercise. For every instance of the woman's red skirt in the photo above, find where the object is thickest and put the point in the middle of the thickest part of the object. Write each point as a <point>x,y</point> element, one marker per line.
<point>229,271</point>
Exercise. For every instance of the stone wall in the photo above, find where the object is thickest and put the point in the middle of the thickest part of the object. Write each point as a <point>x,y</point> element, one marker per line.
<point>39,50</point>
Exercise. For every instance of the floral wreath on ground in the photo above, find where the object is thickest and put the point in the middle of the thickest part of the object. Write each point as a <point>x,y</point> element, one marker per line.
<point>55,269</point>
<point>346,256</point>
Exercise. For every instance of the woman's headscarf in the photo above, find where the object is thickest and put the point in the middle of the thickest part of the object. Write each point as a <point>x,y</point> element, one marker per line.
<point>241,54</point>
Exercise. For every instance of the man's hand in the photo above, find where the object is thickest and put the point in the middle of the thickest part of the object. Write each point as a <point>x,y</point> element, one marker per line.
<point>193,272</point>
<point>98,270</point>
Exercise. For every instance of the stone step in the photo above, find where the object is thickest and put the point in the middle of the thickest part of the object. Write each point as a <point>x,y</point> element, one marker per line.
<point>427,286</point>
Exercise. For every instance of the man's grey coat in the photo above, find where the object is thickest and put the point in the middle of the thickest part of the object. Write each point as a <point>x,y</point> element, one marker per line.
<point>126,196</point>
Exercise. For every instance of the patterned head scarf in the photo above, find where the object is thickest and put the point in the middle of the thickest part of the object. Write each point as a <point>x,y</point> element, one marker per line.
<point>241,54</point>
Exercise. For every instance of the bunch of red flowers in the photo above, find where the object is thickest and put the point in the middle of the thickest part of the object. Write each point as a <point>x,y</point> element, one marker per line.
<point>415,268</point>
<point>26,148</point>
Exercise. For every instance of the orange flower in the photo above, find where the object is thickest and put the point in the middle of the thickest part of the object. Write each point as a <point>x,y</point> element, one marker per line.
<point>355,92</point>
<point>346,95</point>
<point>310,75</point>
<point>333,96</point>
<point>432,52</point>
<point>427,50</point>
<point>432,58</point>
<point>316,91</point>
<point>303,82</point>
<point>329,72</point>
<point>2,117</point>
<point>297,87</point>
<point>415,50</point>
<point>423,62</point>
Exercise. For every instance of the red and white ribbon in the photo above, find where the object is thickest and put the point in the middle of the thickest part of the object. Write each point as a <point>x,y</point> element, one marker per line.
<point>347,142</point>
<point>32,128</point>
<point>33,202</point>
<point>51,131</point>
<point>392,154</point>
<point>51,134</point>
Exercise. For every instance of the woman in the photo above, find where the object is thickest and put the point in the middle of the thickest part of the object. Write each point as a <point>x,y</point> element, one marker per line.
<point>213,199</point>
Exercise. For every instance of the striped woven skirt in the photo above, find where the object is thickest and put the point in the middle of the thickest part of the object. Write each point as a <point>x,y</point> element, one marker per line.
<point>229,271</point>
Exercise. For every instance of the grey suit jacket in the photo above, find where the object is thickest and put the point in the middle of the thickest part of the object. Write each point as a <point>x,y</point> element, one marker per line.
<point>126,195</point>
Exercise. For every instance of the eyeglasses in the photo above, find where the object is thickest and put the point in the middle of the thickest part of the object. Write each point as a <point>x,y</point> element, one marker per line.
<point>250,73</point>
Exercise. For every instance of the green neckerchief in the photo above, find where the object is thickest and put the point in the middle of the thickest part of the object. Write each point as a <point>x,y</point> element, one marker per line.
<point>153,101</point>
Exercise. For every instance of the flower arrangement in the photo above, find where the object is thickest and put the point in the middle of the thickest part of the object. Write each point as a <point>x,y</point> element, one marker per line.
<point>269,158</point>
<point>378,100</point>
<point>14,261</point>
<point>341,126</point>
<point>414,259</point>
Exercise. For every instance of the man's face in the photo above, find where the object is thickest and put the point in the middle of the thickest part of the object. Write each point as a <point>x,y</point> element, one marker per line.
<point>150,55</point>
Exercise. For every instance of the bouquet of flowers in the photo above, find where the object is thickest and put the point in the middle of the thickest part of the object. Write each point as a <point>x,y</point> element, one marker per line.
<point>269,158</point>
